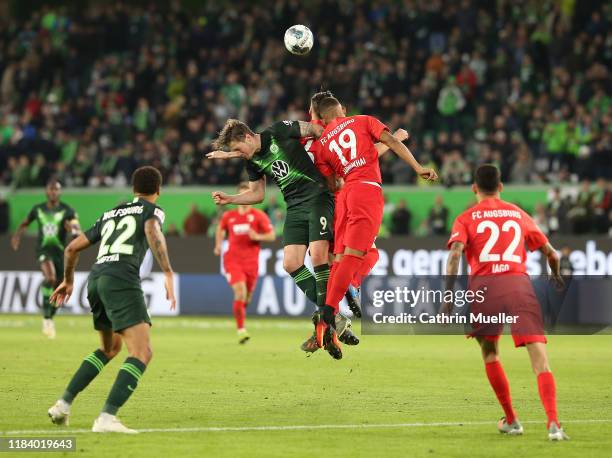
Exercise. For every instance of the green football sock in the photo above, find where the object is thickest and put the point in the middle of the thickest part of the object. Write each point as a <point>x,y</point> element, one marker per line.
<point>127,380</point>
<point>48,309</point>
<point>92,365</point>
<point>321,277</point>
<point>306,282</point>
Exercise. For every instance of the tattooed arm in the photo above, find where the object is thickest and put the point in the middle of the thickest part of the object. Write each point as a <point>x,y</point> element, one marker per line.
<point>308,129</point>
<point>157,243</point>
<point>71,257</point>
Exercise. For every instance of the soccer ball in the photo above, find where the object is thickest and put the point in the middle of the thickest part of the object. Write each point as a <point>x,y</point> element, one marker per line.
<point>299,40</point>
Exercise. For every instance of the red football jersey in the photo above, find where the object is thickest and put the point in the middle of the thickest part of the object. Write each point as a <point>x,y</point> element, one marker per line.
<point>237,225</point>
<point>347,149</point>
<point>495,233</point>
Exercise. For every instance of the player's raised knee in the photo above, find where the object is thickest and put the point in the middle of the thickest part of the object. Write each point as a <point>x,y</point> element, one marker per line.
<point>291,265</point>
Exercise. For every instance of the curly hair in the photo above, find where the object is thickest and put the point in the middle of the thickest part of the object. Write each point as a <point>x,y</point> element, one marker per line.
<point>146,180</point>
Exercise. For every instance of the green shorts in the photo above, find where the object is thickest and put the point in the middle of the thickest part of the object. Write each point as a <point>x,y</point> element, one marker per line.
<point>115,303</point>
<point>310,221</point>
<point>56,256</point>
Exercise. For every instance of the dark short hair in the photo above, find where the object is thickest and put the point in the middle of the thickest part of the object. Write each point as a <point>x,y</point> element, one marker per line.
<point>487,178</point>
<point>316,99</point>
<point>52,182</point>
<point>233,131</point>
<point>146,180</point>
<point>327,104</point>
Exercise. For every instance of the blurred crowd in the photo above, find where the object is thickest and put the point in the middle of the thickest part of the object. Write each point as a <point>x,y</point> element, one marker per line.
<point>88,94</point>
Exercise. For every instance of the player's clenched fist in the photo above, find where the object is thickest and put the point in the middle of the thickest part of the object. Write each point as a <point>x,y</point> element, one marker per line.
<point>221,198</point>
<point>401,135</point>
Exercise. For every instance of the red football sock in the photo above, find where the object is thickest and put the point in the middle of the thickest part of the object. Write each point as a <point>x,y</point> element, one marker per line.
<point>369,261</point>
<point>548,396</point>
<point>499,383</point>
<point>341,278</point>
<point>239,308</point>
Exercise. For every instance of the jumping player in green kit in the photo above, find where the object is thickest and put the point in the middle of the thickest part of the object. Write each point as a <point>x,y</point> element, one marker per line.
<point>55,221</point>
<point>115,296</point>
<point>277,153</point>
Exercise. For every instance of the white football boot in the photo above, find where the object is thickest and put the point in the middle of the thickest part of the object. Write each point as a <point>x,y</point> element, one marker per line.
<point>243,336</point>
<point>512,429</point>
<point>48,328</point>
<point>107,423</point>
<point>60,413</point>
<point>556,433</point>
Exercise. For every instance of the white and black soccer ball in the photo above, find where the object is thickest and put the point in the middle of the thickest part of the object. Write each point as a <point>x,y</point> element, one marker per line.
<point>299,39</point>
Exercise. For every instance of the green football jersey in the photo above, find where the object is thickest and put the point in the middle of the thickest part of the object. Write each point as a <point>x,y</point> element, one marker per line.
<point>51,224</point>
<point>283,158</point>
<point>123,243</point>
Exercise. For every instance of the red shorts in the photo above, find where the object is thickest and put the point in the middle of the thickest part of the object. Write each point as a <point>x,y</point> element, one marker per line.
<point>236,273</point>
<point>358,216</point>
<point>513,296</point>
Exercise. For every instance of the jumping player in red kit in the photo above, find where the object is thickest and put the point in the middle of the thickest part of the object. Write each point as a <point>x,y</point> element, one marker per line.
<point>347,149</point>
<point>493,234</point>
<point>246,228</point>
<point>370,259</point>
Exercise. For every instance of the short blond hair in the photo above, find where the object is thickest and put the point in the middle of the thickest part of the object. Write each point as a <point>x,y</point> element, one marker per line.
<point>234,130</point>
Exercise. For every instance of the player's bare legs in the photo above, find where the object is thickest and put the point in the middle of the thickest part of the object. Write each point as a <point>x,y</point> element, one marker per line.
<point>138,341</point>
<point>293,257</point>
<point>110,343</point>
<point>538,357</point>
<point>499,382</point>
<point>546,388</point>
<point>49,283</point>
<point>92,365</point>
<point>241,297</point>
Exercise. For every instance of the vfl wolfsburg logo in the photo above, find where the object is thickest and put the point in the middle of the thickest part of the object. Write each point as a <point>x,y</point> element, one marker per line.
<point>49,229</point>
<point>280,169</point>
<point>274,148</point>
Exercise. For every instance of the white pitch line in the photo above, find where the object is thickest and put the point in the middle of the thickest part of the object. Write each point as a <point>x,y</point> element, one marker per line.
<point>216,429</point>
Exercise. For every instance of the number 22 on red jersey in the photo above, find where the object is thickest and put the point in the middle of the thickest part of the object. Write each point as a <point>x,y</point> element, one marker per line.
<point>495,238</point>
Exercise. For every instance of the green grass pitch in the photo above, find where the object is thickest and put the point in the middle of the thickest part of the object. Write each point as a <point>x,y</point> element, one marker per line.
<point>397,395</point>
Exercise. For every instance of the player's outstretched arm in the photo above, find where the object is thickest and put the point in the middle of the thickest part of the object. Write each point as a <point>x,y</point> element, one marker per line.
<point>308,129</point>
<point>400,134</point>
<point>404,153</point>
<point>224,155</point>
<point>554,262</point>
<point>452,269</point>
<point>254,195</point>
<point>16,238</point>
<point>71,257</point>
<point>157,243</point>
